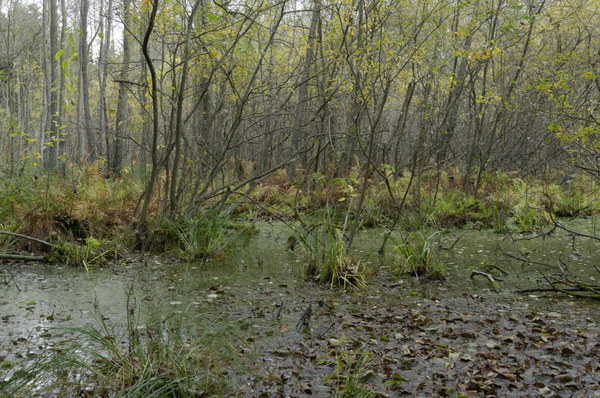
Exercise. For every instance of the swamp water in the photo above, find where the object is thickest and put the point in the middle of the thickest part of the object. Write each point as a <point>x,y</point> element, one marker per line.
<point>399,337</point>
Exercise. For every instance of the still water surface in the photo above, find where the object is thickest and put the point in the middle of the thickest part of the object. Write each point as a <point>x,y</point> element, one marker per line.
<point>38,298</point>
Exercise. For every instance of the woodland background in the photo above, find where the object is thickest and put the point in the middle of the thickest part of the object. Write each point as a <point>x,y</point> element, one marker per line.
<point>185,91</point>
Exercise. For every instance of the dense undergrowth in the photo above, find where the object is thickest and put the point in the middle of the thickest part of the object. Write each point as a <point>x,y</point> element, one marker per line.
<point>439,200</point>
<point>91,219</point>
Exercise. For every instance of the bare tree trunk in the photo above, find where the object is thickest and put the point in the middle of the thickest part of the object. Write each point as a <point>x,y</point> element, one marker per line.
<point>451,112</point>
<point>103,75</point>
<point>62,87</point>
<point>47,82</point>
<point>174,200</point>
<point>298,133</point>
<point>92,146</point>
<point>417,157</point>
<point>355,117</point>
<point>450,120</point>
<point>122,121</point>
<point>402,119</point>
<point>155,115</point>
<point>504,108</point>
<point>53,120</point>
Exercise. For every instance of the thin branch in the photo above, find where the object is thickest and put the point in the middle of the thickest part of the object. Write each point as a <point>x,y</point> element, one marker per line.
<point>31,238</point>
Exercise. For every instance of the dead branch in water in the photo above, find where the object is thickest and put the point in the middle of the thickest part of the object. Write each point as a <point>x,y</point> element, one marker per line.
<point>494,282</point>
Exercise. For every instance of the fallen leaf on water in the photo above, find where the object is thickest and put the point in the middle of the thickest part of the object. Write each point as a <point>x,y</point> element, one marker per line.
<point>544,391</point>
<point>566,351</point>
<point>306,388</point>
<point>565,377</point>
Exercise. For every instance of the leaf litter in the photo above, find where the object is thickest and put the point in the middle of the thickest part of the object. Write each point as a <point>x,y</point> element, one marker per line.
<point>390,343</point>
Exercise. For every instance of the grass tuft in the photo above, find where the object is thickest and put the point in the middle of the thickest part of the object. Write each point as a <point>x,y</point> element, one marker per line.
<point>416,256</point>
<point>176,357</point>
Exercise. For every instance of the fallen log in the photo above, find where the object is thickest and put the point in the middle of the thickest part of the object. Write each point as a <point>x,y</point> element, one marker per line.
<point>25,257</point>
<point>22,257</point>
<point>31,238</point>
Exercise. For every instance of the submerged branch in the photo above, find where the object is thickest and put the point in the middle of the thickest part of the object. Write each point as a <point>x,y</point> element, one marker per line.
<point>494,282</point>
<point>489,276</point>
<point>570,290</point>
<point>573,287</point>
<point>455,242</point>
<point>526,260</point>
<point>575,233</point>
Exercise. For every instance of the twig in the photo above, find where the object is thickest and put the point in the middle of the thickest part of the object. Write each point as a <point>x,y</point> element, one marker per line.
<point>575,233</point>
<point>591,171</point>
<point>497,267</point>
<point>540,235</point>
<point>278,316</point>
<point>455,242</point>
<point>12,277</point>
<point>580,287</point>
<point>489,276</point>
<point>547,289</point>
<point>328,329</point>
<point>304,321</point>
<point>526,260</point>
